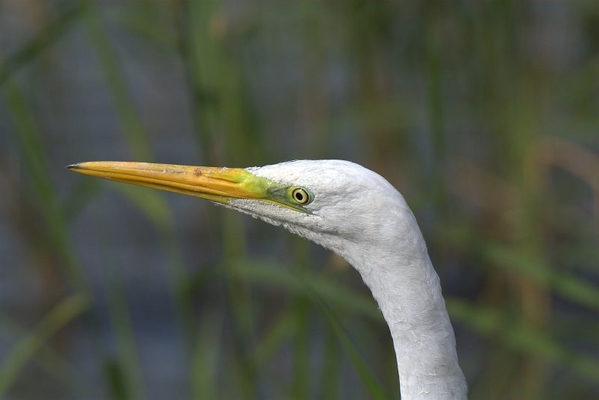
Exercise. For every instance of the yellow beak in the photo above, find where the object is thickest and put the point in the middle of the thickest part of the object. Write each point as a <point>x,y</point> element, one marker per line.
<point>211,183</point>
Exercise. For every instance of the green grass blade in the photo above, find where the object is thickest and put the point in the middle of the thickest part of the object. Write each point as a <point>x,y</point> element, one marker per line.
<point>321,292</point>
<point>331,368</point>
<point>262,271</point>
<point>563,284</point>
<point>371,382</point>
<point>65,312</point>
<point>274,338</point>
<point>205,361</point>
<point>32,149</point>
<point>493,322</point>
<point>117,84</point>
<point>239,304</point>
<point>50,361</point>
<point>150,202</point>
<point>79,197</point>
<point>301,311</point>
<point>128,358</point>
<point>46,37</point>
<point>153,206</point>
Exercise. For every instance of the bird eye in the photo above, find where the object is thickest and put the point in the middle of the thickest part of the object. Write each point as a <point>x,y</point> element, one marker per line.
<point>301,195</point>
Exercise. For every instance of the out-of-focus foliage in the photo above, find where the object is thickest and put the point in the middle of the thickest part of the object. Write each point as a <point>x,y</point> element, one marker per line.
<point>485,114</point>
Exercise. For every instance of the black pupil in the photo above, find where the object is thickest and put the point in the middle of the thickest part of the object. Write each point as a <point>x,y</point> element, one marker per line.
<point>299,196</point>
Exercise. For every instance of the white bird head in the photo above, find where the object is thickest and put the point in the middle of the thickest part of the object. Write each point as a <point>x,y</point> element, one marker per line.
<point>333,203</point>
<point>357,214</point>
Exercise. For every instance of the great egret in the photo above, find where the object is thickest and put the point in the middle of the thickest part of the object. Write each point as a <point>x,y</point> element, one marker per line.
<point>355,213</point>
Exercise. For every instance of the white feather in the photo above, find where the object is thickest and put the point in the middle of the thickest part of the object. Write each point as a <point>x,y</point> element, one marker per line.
<point>360,216</point>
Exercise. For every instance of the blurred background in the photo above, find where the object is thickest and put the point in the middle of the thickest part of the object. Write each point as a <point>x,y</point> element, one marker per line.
<point>484,114</point>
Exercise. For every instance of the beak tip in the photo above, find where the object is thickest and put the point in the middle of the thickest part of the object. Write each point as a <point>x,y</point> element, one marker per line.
<point>72,166</point>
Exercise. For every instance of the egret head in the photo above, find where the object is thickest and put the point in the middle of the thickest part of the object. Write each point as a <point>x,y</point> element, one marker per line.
<point>334,203</point>
<point>357,214</point>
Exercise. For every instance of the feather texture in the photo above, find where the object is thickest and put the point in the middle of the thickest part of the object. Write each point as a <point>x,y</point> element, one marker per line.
<point>360,216</point>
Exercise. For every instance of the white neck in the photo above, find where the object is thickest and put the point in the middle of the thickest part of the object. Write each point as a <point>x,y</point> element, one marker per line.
<point>406,287</point>
<point>360,216</point>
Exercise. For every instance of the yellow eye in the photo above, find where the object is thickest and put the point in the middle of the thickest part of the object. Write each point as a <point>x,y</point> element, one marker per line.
<point>301,195</point>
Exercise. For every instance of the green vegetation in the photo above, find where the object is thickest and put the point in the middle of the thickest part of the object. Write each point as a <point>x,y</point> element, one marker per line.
<point>484,114</point>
